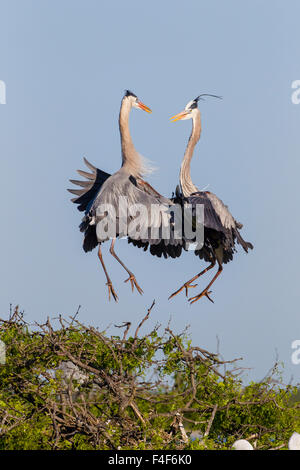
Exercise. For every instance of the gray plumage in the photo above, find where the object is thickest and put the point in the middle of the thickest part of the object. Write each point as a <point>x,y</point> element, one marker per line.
<point>123,184</point>
<point>101,188</point>
<point>217,216</point>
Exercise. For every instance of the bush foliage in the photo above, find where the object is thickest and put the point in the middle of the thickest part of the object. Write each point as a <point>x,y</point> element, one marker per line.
<point>75,387</point>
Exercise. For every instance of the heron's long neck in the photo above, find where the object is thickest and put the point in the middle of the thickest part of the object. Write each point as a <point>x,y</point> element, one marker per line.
<point>186,183</point>
<point>131,160</point>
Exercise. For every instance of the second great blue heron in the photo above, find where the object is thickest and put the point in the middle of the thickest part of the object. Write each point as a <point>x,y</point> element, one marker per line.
<point>221,230</point>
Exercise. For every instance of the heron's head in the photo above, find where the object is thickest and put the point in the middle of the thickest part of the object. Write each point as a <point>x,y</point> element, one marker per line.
<point>191,109</point>
<point>135,102</point>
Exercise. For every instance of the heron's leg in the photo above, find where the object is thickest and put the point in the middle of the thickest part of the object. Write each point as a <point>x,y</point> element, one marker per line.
<point>206,292</point>
<point>111,290</point>
<point>131,278</point>
<point>187,285</point>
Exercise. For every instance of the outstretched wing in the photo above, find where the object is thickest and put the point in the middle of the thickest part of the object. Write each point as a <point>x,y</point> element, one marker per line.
<point>143,215</point>
<point>138,191</point>
<point>211,217</point>
<point>228,221</point>
<point>217,218</point>
<point>91,187</point>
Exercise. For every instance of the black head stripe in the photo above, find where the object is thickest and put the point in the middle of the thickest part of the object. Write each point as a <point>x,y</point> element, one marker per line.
<point>194,104</point>
<point>129,93</point>
<point>195,101</point>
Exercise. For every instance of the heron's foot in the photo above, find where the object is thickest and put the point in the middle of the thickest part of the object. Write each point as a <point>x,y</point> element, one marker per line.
<point>134,284</point>
<point>187,285</point>
<point>111,291</point>
<point>204,293</point>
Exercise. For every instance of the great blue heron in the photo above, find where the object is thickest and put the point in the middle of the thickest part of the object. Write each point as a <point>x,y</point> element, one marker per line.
<point>221,230</point>
<point>104,190</point>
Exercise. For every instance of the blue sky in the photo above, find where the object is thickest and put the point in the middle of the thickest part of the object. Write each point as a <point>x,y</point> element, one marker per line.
<point>65,65</point>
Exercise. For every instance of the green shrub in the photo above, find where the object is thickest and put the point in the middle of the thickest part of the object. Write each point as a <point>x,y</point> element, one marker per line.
<point>75,387</point>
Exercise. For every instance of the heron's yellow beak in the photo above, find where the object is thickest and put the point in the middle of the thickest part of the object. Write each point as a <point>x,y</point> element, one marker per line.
<point>179,116</point>
<point>144,107</point>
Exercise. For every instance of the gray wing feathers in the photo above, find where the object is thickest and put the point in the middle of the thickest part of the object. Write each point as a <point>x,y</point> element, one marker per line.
<point>228,221</point>
<point>211,217</point>
<point>218,217</point>
<point>92,186</point>
<point>142,212</point>
<point>222,211</point>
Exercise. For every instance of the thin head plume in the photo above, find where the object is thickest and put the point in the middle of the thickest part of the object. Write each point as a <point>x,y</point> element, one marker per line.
<point>206,94</point>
